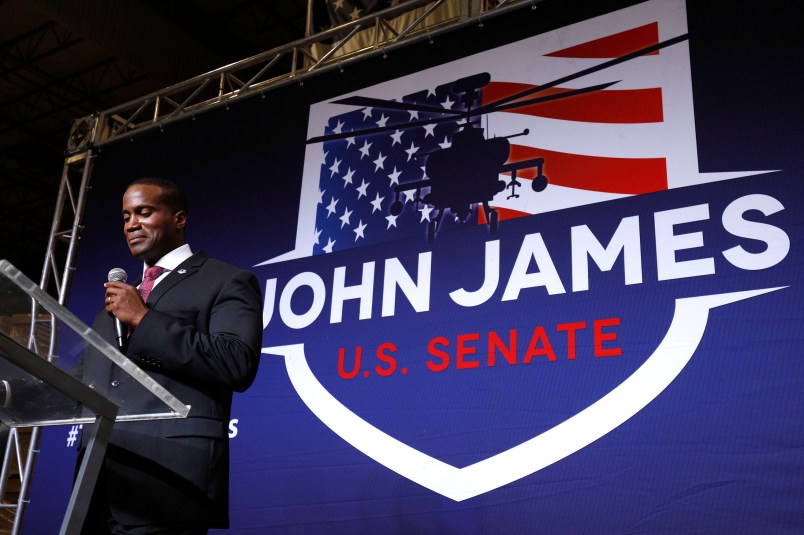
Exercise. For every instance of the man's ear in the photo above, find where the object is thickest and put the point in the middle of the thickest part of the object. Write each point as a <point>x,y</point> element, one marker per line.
<point>181,219</point>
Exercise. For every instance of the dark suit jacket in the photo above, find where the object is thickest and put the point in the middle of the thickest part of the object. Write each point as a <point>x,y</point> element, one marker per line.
<point>201,341</point>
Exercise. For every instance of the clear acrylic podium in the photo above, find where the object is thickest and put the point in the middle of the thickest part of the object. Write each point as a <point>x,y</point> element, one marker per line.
<point>43,348</point>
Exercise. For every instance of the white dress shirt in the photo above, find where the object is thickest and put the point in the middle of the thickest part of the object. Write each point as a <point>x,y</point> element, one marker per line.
<point>170,261</point>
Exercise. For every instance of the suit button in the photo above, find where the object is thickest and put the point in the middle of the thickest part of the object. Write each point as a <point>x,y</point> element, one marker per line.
<point>115,383</point>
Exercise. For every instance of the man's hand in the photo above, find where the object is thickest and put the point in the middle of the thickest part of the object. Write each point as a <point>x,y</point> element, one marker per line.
<point>124,302</point>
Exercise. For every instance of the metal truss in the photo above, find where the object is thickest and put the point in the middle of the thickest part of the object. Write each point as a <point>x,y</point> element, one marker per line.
<point>38,105</point>
<point>378,33</point>
<point>42,95</point>
<point>34,46</point>
<point>62,247</point>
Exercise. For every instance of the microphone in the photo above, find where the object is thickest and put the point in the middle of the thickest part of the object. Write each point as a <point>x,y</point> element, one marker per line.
<point>119,275</point>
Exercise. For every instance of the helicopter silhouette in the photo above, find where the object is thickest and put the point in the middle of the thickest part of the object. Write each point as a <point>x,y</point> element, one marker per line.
<point>467,172</point>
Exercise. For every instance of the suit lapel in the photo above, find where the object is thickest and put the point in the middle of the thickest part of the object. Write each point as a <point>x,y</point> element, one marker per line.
<point>182,272</point>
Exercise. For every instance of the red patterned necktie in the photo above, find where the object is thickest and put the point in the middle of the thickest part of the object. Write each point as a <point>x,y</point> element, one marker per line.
<point>151,274</point>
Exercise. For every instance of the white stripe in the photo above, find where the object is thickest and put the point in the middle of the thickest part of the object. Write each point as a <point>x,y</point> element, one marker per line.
<point>551,199</point>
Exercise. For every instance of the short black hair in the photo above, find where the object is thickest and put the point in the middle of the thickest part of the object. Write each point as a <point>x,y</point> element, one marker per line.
<point>172,195</point>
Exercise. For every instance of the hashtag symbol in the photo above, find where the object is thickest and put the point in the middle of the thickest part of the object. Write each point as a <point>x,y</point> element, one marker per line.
<point>73,435</point>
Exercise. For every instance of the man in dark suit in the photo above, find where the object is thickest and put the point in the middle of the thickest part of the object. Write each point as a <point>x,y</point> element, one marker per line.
<point>198,334</point>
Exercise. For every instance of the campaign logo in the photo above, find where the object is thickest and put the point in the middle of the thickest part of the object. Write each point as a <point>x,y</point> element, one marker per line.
<point>596,111</point>
<point>442,249</point>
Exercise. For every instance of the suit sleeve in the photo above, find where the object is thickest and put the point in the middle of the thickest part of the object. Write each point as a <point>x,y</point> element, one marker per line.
<point>226,353</point>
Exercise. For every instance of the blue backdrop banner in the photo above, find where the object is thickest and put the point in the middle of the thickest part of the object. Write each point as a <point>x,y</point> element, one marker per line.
<point>542,276</point>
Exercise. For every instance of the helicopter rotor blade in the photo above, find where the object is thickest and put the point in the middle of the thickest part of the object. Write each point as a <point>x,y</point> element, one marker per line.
<point>548,98</point>
<point>467,114</point>
<point>491,106</point>
<point>380,129</point>
<point>500,104</point>
<point>393,105</point>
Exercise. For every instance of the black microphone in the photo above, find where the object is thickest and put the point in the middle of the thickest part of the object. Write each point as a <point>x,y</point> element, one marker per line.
<point>119,275</point>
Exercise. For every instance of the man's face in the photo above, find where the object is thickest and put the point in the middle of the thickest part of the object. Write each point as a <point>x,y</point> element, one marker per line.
<point>151,228</point>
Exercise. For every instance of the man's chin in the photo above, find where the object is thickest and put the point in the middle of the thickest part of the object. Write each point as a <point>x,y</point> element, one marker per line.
<point>140,253</point>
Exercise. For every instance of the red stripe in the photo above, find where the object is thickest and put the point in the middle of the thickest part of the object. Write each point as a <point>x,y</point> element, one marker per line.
<point>621,106</point>
<point>614,46</point>
<point>632,176</point>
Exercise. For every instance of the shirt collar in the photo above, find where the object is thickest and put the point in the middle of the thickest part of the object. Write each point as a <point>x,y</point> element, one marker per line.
<point>172,260</point>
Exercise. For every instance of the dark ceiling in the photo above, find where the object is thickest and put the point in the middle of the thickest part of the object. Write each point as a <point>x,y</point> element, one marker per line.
<point>60,61</point>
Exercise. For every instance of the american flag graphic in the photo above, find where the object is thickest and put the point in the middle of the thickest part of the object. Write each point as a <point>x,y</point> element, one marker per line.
<point>357,179</point>
<point>633,134</point>
<point>358,176</point>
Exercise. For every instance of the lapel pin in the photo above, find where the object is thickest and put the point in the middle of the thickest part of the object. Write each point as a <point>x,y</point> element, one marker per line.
<point>181,271</point>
